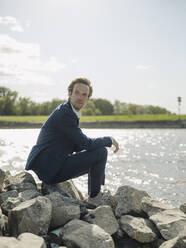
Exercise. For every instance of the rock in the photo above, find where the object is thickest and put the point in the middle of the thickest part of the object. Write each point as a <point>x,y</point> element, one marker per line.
<point>5,195</point>
<point>70,188</point>
<point>72,226</point>
<point>10,203</point>
<point>28,194</point>
<point>2,177</point>
<point>171,223</point>
<point>21,187</point>
<point>183,208</point>
<point>120,234</point>
<point>27,240</point>
<point>108,199</point>
<point>9,242</point>
<point>62,207</point>
<point>155,244</point>
<point>13,202</point>
<point>7,174</point>
<point>47,189</point>
<point>80,234</point>
<point>30,240</point>
<point>31,216</point>
<point>103,216</point>
<point>138,228</point>
<point>1,223</point>
<point>174,243</point>
<point>128,243</point>
<point>62,210</point>
<point>21,178</point>
<point>129,201</point>
<point>5,227</point>
<point>20,182</point>
<point>151,206</point>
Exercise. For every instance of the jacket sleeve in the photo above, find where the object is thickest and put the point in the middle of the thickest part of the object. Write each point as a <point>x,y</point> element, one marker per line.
<point>68,124</point>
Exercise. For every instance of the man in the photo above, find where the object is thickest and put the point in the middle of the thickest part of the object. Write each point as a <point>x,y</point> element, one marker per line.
<point>63,152</point>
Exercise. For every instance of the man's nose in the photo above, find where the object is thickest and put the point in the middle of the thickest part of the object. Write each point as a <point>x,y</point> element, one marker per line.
<point>80,96</point>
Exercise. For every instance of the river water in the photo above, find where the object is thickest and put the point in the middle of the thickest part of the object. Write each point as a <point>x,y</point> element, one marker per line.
<point>150,159</point>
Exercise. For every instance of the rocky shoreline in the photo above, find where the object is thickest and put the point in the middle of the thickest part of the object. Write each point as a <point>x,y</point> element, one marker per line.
<point>41,216</point>
<point>109,124</point>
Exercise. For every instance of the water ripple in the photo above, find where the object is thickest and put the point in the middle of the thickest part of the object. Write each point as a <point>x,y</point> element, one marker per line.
<point>150,159</point>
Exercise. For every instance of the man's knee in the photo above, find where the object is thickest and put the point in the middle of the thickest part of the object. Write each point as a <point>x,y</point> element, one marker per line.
<point>102,152</point>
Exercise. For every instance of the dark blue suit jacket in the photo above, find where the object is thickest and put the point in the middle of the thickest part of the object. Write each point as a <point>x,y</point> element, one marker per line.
<point>59,137</point>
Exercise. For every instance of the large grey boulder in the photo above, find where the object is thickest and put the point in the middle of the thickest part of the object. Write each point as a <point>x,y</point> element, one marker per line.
<point>138,228</point>
<point>103,216</point>
<point>47,189</point>
<point>171,223</point>
<point>85,236</point>
<point>129,201</point>
<point>22,177</point>
<point>70,188</point>
<point>63,210</point>
<point>2,177</point>
<point>179,242</point>
<point>25,240</point>
<point>151,206</point>
<point>12,202</point>
<point>20,182</point>
<point>31,216</point>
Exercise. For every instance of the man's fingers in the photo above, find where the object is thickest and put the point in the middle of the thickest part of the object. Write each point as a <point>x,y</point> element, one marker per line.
<point>115,143</point>
<point>116,147</point>
<point>116,150</point>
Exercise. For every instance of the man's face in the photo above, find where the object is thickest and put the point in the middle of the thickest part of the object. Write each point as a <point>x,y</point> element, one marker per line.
<point>79,96</point>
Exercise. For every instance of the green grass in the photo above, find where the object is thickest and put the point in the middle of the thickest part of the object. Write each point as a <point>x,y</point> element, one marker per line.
<point>35,119</point>
<point>41,119</point>
<point>131,118</point>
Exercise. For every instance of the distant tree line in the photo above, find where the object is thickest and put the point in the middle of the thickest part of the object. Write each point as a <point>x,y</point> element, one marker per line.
<point>12,104</point>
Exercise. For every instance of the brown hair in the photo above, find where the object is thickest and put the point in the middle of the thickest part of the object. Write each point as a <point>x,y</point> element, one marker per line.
<point>80,81</point>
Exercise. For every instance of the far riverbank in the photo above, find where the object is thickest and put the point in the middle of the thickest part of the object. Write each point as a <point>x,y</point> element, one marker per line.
<point>106,124</point>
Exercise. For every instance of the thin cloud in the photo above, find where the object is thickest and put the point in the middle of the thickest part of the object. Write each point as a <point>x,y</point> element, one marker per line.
<point>28,23</point>
<point>12,23</point>
<point>143,67</point>
<point>74,60</point>
<point>53,65</point>
<point>22,63</point>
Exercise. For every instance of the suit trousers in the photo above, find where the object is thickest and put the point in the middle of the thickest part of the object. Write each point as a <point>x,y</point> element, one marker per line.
<point>86,162</point>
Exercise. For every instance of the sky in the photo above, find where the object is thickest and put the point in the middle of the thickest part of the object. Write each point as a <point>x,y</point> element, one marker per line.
<point>133,51</point>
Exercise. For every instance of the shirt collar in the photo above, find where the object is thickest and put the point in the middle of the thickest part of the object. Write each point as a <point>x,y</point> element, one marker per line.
<point>78,113</point>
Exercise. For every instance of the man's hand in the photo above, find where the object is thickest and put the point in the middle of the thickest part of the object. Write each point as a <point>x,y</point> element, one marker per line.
<point>115,143</point>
